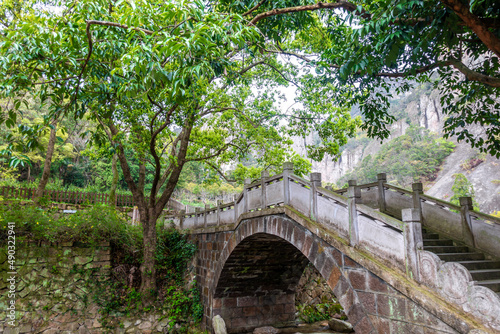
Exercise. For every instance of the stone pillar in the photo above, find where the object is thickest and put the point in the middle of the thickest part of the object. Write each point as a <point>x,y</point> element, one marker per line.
<point>287,171</point>
<point>205,215</point>
<point>181,219</point>
<point>219,203</point>
<point>466,206</point>
<point>235,198</point>
<point>135,216</point>
<point>413,241</point>
<point>315,183</point>
<point>245,194</point>
<point>264,175</point>
<point>381,180</point>
<point>353,195</point>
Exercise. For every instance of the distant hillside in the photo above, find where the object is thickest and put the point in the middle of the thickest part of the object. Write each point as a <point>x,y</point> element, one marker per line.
<point>363,157</point>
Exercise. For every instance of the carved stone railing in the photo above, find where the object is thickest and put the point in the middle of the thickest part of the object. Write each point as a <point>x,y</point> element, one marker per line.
<point>382,220</point>
<point>461,223</point>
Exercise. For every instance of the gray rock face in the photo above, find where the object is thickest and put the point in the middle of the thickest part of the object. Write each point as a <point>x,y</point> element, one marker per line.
<point>219,325</point>
<point>266,330</point>
<point>340,326</point>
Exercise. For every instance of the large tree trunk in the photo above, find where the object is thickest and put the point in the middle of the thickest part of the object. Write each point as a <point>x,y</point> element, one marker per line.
<point>114,181</point>
<point>48,161</point>
<point>148,271</point>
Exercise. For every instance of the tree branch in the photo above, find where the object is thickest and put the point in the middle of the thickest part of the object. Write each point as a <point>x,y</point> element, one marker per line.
<point>220,172</point>
<point>473,75</point>
<point>251,10</point>
<point>350,7</point>
<point>152,149</point>
<point>475,24</point>
<point>117,25</point>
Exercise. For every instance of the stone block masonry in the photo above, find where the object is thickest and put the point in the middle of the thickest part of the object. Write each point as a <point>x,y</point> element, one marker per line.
<point>53,286</point>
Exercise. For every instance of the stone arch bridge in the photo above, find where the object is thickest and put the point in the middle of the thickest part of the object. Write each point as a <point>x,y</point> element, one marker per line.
<point>397,260</point>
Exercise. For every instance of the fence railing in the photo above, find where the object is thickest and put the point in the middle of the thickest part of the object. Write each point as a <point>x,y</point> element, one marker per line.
<point>353,210</point>
<point>79,197</point>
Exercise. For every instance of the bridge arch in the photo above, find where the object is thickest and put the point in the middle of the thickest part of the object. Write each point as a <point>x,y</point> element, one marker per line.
<point>371,304</point>
<point>260,266</point>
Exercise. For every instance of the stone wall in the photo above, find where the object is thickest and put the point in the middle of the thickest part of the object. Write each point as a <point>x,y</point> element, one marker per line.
<point>54,289</point>
<point>52,286</point>
<point>313,288</point>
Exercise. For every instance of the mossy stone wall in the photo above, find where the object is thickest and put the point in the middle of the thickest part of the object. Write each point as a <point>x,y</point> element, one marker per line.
<point>53,286</point>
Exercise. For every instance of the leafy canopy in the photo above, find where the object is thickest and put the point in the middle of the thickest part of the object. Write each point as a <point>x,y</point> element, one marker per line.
<point>372,49</point>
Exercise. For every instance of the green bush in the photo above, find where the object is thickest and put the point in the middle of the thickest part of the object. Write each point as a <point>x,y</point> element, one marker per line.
<point>318,312</point>
<point>96,224</point>
<point>415,156</point>
<point>116,297</point>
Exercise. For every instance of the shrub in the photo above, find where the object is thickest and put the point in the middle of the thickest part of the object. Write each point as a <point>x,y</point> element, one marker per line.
<point>416,155</point>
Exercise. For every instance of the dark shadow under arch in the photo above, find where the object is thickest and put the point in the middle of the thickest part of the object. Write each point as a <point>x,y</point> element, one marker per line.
<point>259,270</point>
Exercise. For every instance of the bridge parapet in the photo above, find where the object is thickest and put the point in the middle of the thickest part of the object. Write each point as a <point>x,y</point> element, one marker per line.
<point>458,222</point>
<point>381,220</point>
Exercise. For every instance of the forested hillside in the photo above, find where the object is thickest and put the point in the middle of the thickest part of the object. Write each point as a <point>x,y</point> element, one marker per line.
<point>416,152</point>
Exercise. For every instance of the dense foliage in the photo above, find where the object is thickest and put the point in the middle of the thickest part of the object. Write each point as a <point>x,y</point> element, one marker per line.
<point>412,157</point>
<point>118,296</point>
<point>462,188</point>
<point>370,50</point>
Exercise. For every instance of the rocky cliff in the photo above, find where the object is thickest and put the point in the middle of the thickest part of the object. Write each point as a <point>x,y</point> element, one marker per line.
<point>421,107</point>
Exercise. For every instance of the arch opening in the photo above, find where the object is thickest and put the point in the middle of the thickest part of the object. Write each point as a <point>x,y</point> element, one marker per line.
<point>258,284</point>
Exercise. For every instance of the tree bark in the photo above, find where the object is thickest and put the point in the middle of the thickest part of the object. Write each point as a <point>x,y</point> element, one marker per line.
<point>475,24</point>
<point>114,181</point>
<point>148,271</point>
<point>48,161</point>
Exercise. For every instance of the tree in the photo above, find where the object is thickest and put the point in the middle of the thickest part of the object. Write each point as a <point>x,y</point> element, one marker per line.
<point>369,49</point>
<point>172,81</point>
<point>462,188</point>
<point>32,142</point>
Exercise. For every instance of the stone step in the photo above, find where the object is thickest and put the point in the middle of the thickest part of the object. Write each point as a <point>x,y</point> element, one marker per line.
<point>478,265</point>
<point>485,274</point>
<point>430,236</point>
<point>493,284</point>
<point>438,242</point>
<point>447,249</point>
<point>456,257</point>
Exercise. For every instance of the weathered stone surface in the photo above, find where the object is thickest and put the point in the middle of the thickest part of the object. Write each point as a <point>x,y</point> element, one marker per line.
<point>219,325</point>
<point>340,326</point>
<point>266,330</point>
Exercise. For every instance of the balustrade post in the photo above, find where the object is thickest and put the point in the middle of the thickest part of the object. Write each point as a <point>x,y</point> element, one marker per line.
<point>219,202</point>
<point>413,241</point>
<point>315,183</point>
<point>205,215</point>
<point>353,195</point>
<point>196,218</point>
<point>287,171</point>
<point>418,190</point>
<point>381,180</point>
<point>181,219</point>
<point>235,198</point>
<point>245,195</point>
<point>264,175</point>
<point>465,207</point>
